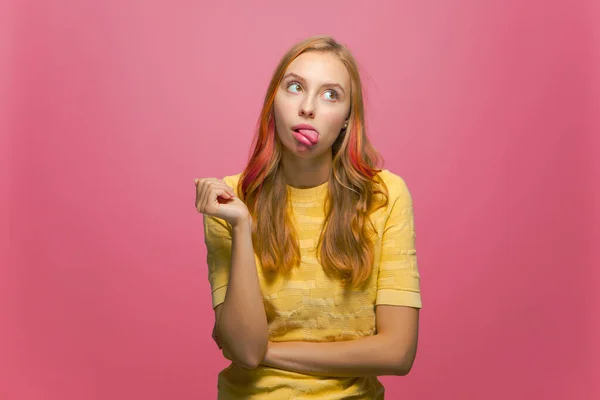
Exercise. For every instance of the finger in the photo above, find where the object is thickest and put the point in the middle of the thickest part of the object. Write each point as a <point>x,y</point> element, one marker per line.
<point>203,195</point>
<point>224,191</point>
<point>208,194</point>
<point>218,189</point>
<point>227,187</point>
<point>197,200</point>
<point>217,196</point>
<point>211,191</point>
<point>208,190</point>
<point>200,189</point>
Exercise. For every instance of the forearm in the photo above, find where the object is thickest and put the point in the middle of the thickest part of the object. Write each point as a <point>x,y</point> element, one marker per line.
<point>370,356</point>
<point>242,323</point>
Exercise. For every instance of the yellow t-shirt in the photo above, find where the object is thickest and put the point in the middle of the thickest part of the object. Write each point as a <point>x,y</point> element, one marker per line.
<point>310,306</point>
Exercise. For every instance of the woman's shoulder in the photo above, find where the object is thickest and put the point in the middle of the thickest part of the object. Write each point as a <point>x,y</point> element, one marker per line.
<point>395,184</point>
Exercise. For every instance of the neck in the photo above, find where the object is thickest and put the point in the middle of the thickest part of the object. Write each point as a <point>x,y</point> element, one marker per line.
<point>305,173</point>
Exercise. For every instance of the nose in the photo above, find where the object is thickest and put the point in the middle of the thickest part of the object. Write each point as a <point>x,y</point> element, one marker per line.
<point>307,109</point>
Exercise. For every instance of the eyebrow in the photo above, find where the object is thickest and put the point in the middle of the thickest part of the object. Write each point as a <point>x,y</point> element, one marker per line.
<point>291,74</point>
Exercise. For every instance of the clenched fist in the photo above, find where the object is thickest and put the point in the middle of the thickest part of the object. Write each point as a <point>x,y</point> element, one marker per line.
<point>214,197</point>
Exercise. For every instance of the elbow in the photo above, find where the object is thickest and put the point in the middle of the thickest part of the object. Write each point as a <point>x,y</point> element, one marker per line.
<point>252,356</point>
<point>246,350</point>
<point>403,365</point>
<point>250,360</point>
<point>402,370</point>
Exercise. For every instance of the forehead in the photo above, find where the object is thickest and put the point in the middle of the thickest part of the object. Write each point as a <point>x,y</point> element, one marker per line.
<point>318,67</point>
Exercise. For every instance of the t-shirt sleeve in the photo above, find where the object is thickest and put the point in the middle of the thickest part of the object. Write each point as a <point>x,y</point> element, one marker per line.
<point>217,237</point>
<point>398,281</point>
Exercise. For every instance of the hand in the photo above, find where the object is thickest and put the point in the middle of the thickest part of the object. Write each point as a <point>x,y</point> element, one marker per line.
<point>214,197</point>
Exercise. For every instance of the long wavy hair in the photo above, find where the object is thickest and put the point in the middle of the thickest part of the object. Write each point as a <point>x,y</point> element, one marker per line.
<point>345,247</point>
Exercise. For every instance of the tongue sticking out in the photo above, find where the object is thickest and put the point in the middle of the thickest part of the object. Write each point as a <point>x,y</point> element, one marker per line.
<point>309,134</point>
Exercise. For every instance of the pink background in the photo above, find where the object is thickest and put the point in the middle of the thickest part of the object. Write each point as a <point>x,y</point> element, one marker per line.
<point>489,110</point>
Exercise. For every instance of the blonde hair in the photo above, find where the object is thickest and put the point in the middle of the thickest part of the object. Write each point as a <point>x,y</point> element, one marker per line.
<point>345,248</point>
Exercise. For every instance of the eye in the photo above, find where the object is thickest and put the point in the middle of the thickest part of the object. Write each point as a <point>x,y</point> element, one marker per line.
<point>294,85</point>
<point>333,95</point>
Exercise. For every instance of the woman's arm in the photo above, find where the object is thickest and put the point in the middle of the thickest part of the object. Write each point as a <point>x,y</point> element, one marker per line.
<point>241,322</point>
<point>390,352</point>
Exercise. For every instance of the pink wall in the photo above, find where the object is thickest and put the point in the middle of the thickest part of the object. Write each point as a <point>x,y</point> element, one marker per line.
<point>487,109</point>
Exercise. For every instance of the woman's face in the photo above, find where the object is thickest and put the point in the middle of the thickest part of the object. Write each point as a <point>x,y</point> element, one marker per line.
<point>314,92</point>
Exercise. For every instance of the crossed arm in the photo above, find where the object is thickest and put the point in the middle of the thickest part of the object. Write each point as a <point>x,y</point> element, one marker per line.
<point>389,352</point>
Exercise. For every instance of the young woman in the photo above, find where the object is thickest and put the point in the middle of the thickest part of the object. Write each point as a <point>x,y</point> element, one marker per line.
<point>311,255</point>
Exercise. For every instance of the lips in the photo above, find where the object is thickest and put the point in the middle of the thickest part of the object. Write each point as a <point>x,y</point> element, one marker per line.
<point>307,132</point>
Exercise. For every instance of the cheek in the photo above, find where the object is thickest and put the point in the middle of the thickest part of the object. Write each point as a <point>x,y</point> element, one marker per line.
<point>279,104</point>
<point>277,111</point>
<point>335,119</point>
<point>285,109</point>
<point>281,114</point>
